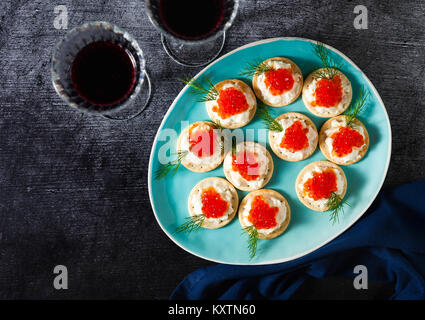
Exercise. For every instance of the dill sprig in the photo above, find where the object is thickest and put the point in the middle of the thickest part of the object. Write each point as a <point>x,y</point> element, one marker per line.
<point>336,207</point>
<point>252,240</point>
<point>206,93</point>
<point>255,68</point>
<point>192,223</point>
<point>357,107</point>
<point>222,145</point>
<point>331,66</point>
<point>271,123</point>
<point>173,165</point>
<point>234,151</point>
<point>217,125</point>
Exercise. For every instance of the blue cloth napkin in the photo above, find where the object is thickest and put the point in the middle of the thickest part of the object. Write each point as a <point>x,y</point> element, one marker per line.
<point>389,240</point>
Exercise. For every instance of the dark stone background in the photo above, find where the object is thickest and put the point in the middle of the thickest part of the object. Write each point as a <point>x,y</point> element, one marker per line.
<point>73,187</point>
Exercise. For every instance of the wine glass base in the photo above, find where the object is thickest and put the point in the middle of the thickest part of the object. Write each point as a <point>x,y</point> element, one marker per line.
<point>193,55</point>
<point>137,106</point>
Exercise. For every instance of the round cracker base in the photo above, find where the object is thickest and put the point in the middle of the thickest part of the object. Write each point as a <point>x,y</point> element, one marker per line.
<point>324,148</point>
<point>265,193</point>
<point>325,164</point>
<point>235,202</point>
<point>310,108</point>
<point>194,166</point>
<point>247,90</point>
<point>295,69</point>
<point>274,144</point>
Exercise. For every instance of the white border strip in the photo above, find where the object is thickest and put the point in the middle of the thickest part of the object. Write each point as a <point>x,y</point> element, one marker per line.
<point>330,239</point>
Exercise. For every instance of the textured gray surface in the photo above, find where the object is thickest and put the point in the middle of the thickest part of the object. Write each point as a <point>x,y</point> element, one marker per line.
<point>73,187</point>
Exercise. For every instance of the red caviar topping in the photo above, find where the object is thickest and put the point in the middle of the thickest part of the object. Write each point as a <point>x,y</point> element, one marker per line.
<point>213,206</point>
<point>322,185</point>
<point>295,137</point>
<point>278,81</point>
<point>345,139</point>
<point>246,164</point>
<point>262,215</point>
<point>328,92</point>
<point>202,142</point>
<point>231,101</point>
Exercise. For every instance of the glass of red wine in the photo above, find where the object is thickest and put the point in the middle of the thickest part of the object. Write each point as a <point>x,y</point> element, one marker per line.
<point>193,32</point>
<point>100,69</point>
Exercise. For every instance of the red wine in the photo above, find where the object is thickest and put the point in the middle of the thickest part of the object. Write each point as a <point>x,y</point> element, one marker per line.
<point>192,19</point>
<point>103,73</point>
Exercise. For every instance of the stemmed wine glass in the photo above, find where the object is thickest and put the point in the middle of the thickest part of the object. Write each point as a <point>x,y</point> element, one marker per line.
<point>99,68</point>
<point>193,32</point>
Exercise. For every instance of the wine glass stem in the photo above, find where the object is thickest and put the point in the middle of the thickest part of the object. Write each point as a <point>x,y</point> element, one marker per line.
<point>173,55</point>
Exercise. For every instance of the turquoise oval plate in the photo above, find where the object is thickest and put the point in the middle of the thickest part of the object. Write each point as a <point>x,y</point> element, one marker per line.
<point>308,230</point>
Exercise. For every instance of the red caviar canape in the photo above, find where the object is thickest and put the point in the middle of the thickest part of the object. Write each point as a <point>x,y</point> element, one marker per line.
<point>248,166</point>
<point>199,147</point>
<point>325,181</point>
<point>343,140</point>
<point>292,136</point>
<point>327,97</point>
<point>266,217</point>
<point>322,180</point>
<point>224,100</point>
<point>277,81</point>
<point>234,104</point>
<point>212,203</point>
<point>327,91</point>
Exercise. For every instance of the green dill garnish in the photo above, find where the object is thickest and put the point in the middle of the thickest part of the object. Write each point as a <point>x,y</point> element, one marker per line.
<point>330,67</point>
<point>206,93</point>
<point>255,68</point>
<point>252,240</point>
<point>233,146</point>
<point>357,107</point>
<point>192,223</point>
<point>217,125</point>
<point>271,123</point>
<point>222,143</point>
<point>173,165</point>
<point>336,206</point>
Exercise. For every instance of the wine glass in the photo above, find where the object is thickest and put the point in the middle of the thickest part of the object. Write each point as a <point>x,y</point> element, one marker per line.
<point>193,32</point>
<point>91,34</point>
